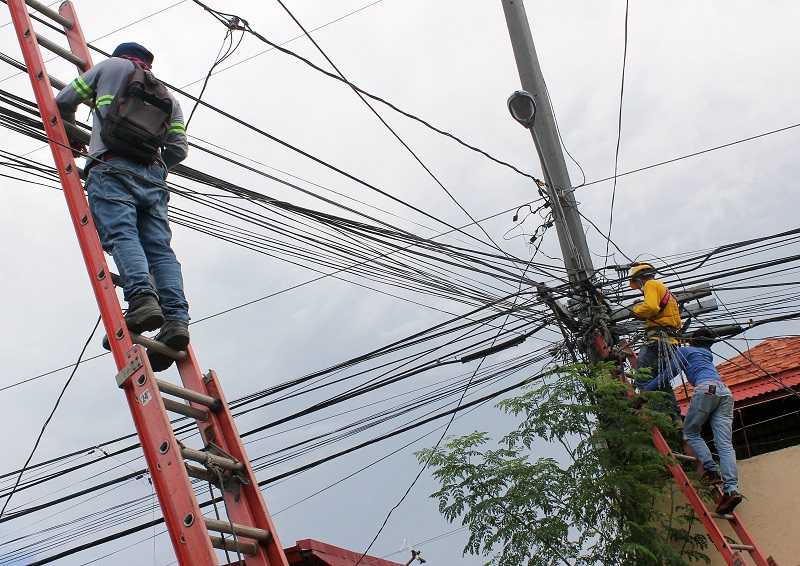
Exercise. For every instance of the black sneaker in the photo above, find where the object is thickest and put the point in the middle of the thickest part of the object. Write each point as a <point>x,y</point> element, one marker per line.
<point>173,333</point>
<point>144,313</point>
<point>711,478</point>
<point>728,502</point>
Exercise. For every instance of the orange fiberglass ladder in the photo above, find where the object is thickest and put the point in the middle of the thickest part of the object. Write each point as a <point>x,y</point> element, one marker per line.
<point>731,552</point>
<point>223,460</point>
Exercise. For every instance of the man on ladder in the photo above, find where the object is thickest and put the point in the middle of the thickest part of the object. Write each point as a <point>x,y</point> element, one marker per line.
<point>137,137</point>
<point>661,314</point>
<point>711,402</point>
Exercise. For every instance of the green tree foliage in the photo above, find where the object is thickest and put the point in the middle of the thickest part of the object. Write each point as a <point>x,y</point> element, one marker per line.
<point>608,501</point>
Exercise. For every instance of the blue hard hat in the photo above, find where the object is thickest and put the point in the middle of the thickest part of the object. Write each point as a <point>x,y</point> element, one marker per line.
<point>134,50</point>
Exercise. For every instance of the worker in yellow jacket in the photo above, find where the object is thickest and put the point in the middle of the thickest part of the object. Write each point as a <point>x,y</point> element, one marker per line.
<point>662,317</point>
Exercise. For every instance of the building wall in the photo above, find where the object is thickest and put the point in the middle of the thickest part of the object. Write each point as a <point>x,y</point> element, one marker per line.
<point>771,512</point>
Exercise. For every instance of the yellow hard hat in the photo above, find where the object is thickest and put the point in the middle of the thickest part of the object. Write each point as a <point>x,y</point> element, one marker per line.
<point>641,270</point>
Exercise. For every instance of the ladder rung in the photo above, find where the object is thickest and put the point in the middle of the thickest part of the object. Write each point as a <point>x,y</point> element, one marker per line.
<point>741,546</point>
<point>249,548</point>
<point>211,459</point>
<point>189,395</point>
<point>201,474</point>
<point>238,530</point>
<point>158,347</point>
<point>61,52</point>
<point>58,84</point>
<point>684,457</point>
<point>185,410</point>
<point>726,517</point>
<point>52,14</point>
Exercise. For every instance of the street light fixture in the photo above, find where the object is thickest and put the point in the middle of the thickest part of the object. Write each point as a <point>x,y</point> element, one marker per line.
<point>522,107</point>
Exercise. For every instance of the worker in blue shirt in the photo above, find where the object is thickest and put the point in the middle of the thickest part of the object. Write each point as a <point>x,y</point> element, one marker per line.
<point>712,401</point>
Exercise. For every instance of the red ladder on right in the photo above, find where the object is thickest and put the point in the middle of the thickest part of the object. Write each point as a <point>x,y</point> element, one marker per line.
<point>222,460</point>
<point>731,552</point>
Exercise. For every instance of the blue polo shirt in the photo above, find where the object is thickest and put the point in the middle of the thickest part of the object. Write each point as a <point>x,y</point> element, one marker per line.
<point>697,363</point>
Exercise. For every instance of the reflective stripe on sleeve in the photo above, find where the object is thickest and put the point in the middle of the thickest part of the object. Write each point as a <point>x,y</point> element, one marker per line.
<point>104,100</point>
<point>176,128</point>
<point>83,89</point>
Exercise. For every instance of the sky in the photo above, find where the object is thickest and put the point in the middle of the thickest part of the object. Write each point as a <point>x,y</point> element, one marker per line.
<point>699,74</point>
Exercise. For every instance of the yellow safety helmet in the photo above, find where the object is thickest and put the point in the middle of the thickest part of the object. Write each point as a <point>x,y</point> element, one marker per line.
<point>641,270</point>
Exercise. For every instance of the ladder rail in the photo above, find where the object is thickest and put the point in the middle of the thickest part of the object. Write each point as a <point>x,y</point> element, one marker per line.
<point>744,536</point>
<point>75,38</point>
<point>235,447</point>
<point>182,514</point>
<point>82,220</point>
<point>701,511</point>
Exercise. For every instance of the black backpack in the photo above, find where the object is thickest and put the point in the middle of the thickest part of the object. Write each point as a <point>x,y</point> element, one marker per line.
<point>136,123</point>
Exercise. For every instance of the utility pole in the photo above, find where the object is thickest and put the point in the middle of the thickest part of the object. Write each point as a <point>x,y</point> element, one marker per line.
<point>543,129</point>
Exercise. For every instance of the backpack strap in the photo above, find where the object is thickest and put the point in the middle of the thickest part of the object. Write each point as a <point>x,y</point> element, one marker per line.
<point>664,301</point>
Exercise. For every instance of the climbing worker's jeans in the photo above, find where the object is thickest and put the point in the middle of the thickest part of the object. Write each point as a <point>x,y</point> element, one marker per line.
<point>712,401</point>
<point>657,356</point>
<point>128,201</point>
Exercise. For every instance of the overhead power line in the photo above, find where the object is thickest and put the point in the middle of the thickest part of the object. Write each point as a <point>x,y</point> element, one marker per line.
<point>619,133</point>
<point>50,416</point>
<point>693,154</point>
<point>280,47</point>
<point>291,39</point>
<point>382,120</point>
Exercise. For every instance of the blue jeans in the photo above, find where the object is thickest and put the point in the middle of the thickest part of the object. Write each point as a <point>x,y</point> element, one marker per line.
<point>128,201</point>
<point>655,356</point>
<point>716,407</point>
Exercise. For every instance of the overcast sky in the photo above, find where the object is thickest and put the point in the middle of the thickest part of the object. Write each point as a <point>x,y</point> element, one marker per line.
<point>699,74</point>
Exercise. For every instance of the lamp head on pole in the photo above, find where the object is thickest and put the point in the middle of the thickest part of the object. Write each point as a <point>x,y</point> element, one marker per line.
<point>522,107</point>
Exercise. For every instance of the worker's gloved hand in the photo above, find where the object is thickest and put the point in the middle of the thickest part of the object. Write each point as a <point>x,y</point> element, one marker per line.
<point>78,148</point>
<point>638,402</point>
<point>77,145</point>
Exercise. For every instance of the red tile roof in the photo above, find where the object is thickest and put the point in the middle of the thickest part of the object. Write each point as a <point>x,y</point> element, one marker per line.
<point>316,553</point>
<point>745,374</point>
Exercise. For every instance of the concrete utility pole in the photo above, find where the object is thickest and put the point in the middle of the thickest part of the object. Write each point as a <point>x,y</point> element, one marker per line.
<point>565,210</point>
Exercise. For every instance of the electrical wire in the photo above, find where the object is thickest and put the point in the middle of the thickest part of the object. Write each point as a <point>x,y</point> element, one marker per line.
<point>427,461</point>
<point>220,58</point>
<point>695,154</point>
<point>619,133</point>
<point>49,418</point>
<point>339,77</point>
<point>381,119</point>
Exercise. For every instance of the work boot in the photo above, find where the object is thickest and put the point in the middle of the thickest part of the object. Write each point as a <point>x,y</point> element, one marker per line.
<point>173,333</point>
<point>728,502</point>
<point>144,313</point>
